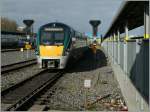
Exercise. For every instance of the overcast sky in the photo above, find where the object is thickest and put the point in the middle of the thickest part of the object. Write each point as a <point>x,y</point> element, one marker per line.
<point>75,13</point>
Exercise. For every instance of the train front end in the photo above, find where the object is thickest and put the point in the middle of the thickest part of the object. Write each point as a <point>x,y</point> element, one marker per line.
<point>51,44</point>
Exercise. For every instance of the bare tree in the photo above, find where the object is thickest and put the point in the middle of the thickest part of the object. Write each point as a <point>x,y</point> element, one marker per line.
<point>8,25</point>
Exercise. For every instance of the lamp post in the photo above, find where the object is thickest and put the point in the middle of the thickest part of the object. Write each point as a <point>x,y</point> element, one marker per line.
<point>28,24</point>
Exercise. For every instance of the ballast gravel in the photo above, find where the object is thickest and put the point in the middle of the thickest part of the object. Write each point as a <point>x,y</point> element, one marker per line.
<point>16,56</point>
<point>70,93</point>
<point>16,76</point>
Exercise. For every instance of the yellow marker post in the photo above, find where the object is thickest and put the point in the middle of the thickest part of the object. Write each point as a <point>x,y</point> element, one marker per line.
<point>28,46</point>
<point>146,36</point>
<point>126,39</point>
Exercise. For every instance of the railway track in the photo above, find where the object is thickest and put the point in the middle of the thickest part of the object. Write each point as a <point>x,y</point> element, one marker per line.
<point>20,95</point>
<point>9,50</point>
<point>15,66</point>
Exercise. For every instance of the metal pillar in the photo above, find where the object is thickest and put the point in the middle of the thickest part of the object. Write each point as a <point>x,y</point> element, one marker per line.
<point>126,32</point>
<point>112,47</point>
<point>109,46</point>
<point>125,48</point>
<point>146,22</point>
<point>146,36</point>
<point>118,39</point>
<point>114,56</point>
<point>149,49</point>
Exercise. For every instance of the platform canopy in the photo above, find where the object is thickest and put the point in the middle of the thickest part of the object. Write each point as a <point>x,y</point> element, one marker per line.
<point>131,14</point>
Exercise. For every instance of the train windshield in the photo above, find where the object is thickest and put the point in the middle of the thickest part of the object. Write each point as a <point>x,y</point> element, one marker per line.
<point>52,38</point>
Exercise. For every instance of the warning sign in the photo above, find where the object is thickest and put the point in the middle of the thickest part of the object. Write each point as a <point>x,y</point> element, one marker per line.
<point>87,83</point>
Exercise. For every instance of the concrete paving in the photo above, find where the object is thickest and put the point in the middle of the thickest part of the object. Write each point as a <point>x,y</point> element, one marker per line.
<point>134,100</point>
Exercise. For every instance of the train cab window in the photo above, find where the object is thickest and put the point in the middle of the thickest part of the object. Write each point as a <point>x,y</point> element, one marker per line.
<point>52,38</point>
<point>59,38</point>
<point>46,38</point>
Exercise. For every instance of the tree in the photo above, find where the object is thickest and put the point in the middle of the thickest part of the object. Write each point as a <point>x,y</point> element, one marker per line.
<point>8,25</point>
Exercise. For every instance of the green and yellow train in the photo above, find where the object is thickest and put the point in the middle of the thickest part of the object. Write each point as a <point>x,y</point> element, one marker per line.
<point>55,43</point>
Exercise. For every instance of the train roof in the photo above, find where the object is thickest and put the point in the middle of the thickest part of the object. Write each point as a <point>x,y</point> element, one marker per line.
<point>57,24</point>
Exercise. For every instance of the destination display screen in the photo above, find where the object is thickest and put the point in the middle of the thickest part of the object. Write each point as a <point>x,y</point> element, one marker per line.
<point>53,29</point>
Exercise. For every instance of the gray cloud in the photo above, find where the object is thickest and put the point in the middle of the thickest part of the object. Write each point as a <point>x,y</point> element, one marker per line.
<point>76,13</point>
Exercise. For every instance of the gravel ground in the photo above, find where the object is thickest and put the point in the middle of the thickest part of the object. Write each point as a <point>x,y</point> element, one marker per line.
<point>14,77</point>
<point>69,92</point>
<point>16,56</point>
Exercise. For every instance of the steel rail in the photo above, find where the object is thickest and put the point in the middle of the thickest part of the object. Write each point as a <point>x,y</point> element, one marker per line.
<point>9,50</point>
<point>26,99</point>
<point>18,65</point>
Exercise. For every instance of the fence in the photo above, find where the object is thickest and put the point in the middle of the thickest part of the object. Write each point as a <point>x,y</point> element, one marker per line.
<point>133,58</point>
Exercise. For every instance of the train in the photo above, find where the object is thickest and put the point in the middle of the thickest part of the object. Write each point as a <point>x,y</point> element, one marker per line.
<point>15,40</point>
<point>56,42</point>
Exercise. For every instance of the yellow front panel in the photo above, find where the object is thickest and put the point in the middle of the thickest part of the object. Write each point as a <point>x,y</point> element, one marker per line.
<point>51,50</point>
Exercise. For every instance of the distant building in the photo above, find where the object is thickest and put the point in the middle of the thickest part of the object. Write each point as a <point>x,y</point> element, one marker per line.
<point>21,28</point>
